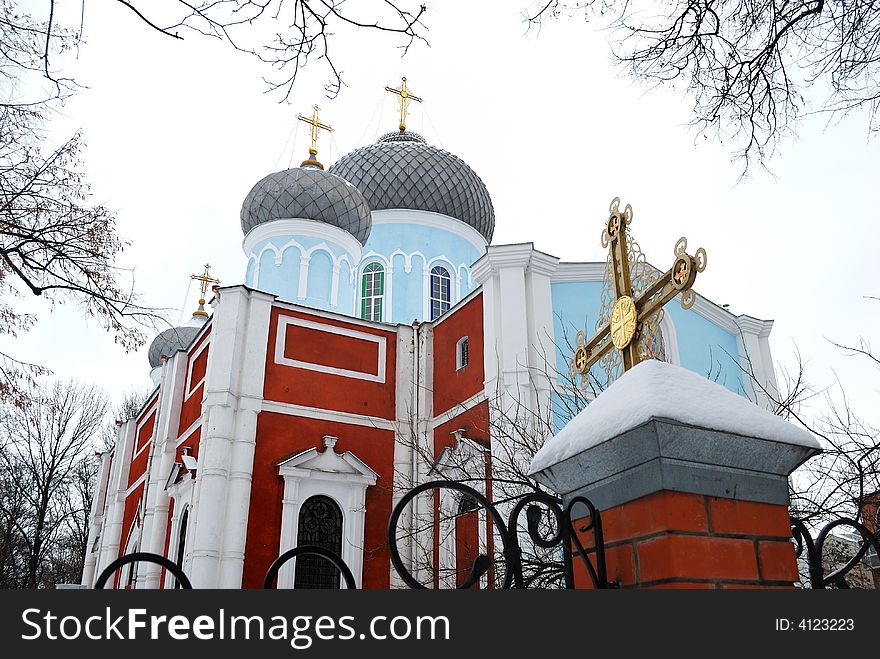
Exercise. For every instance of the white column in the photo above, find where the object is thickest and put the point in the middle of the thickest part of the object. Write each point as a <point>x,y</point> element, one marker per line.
<point>404,435</point>
<point>96,520</point>
<point>233,396</point>
<point>164,449</point>
<point>111,534</point>
<point>754,348</point>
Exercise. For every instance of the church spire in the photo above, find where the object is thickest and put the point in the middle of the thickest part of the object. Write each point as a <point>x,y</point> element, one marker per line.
<point>204,280</point>
<point>404,97</point>
<point>315,127</point>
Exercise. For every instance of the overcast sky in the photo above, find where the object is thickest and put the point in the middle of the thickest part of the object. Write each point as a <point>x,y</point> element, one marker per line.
<point>179,131</point>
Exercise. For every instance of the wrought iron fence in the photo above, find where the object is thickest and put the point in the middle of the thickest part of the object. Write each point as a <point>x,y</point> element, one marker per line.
<point>563,533</point>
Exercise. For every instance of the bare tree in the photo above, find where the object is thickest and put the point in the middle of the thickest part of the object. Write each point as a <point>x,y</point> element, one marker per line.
<point>46,473</point>
<point>747,66</point>
<point>284,35</point>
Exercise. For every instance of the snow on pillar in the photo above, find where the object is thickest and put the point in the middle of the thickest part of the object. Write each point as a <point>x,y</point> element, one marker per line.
<point>233,397</point>
<point>690,478</point>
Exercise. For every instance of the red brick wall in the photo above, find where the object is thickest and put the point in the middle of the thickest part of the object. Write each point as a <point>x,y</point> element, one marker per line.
<point>281,436</point>
<point>452,385</point>
<point>677,540</point>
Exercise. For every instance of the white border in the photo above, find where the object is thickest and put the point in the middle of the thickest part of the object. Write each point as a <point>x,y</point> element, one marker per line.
<point>189,387</point>
<point>281,334</point>
<point>137,431</point>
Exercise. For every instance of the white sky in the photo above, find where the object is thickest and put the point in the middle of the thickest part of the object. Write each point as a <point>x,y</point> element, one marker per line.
<point>178,132</point>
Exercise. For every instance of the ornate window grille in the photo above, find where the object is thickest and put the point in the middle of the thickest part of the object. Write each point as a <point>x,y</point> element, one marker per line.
<point>441,285</point>
<point>320,524</point>
<point>372,292</point>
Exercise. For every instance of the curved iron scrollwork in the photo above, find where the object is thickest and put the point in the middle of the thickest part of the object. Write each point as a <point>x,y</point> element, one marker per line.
<point>564,535</point>
<point>313,550</point>
<point>145,557</point>
<point>812,551</point>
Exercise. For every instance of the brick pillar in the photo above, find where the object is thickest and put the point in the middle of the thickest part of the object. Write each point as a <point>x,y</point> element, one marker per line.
<point>691,481</point>
<point>682,540</point>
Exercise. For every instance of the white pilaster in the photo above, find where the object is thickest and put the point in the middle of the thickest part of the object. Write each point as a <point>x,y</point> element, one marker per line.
<point>754,352</point>
<point>233,396</point>
<point>96,520</point>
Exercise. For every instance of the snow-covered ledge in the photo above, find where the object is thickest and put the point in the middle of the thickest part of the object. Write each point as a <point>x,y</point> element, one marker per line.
<point>662,427</point>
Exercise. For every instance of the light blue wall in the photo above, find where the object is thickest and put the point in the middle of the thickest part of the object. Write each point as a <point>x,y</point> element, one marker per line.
<point>427,247</point>
<point>703,347</point>
<point>282,278</point>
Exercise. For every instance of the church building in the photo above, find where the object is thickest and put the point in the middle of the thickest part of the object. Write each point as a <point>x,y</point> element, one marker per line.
<point>376,334</point>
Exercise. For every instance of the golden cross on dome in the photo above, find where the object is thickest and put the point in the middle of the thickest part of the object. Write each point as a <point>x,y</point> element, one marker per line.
<point>628,313</point>
<point>315,127</point>
<point>405,96</point>
<point>205,279</point>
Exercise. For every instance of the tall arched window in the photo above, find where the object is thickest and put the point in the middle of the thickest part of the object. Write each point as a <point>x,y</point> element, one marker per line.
<point>181,542</point>
<point>440,291</point>
<point>372,292</point>
<point>320,523</point>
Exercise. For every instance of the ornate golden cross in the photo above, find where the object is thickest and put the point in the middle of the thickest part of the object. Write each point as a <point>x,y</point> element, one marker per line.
<point>405,97</point>
<point>628,314</point>
<point>315,127</point>
<point>205,279</point>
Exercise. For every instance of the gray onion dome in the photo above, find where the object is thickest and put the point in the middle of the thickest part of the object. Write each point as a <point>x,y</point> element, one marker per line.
<point>401,170</point>
<point>169,342</point>
<point>307,193</point>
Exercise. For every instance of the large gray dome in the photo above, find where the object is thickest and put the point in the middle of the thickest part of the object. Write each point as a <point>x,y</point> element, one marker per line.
<point>169,342</point>
<point>308,193</point>
<point>402,171</point>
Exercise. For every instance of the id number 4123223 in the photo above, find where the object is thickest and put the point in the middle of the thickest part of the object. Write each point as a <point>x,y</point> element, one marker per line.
<point>815,624</point>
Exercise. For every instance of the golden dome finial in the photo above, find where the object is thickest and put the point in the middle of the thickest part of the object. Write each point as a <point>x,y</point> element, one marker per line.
<point>404,97</point>
<point>316,126</point>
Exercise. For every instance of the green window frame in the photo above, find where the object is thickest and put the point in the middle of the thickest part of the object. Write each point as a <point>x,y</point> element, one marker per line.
<point>373,292</point>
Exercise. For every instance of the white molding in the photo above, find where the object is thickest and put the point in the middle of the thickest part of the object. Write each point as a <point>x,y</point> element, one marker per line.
<point>137,430</point>
<point>189,387</point>
<point>670,340</point>
<point>432,220</point>
<point>299,227</point>
<point>330,315</point>
<point>579,272</point>
<point>195,425</point>
<point>459,408</point>
<point>131,488</point>
<point>280,338</point>
<point>335,416</point>
<point>344,478</point>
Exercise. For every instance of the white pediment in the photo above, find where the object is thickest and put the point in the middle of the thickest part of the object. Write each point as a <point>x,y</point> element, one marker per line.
<point>314,463</point>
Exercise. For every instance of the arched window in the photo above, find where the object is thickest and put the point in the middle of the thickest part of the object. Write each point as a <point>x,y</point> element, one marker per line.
<point>181,542</point>
<point>372,292</point>
<point>461,353</point>
<point>440,291</point>
<point>320,523</point>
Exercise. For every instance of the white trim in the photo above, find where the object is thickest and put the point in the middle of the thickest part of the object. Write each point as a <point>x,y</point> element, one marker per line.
<point>137,431</point>
<point>459,362</point>
<point>189,387</point>
<point>195,425</point>
<point>578,272</point>
<point>335,416</point>
<point>134,486</point>
<point>280,337</point>
<point>431,220</point>
<point>344,478</point>
<point>670,340</point>
<point>459,408</point>
<point>388,271</point>
<point>299,227</point>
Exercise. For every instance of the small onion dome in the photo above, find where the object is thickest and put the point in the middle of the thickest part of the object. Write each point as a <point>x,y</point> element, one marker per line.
<point>307,193</point>
<point>401,170</point>
<point>170,341</point>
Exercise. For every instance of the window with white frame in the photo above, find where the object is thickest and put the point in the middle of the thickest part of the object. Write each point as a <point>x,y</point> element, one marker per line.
<point>461,353</point>
<point>372,291</point>
<point>441,286</point>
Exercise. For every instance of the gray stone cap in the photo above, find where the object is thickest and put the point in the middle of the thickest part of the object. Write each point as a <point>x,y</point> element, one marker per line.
<point>657,390</point>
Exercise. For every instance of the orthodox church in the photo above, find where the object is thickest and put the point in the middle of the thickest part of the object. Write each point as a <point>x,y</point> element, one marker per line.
<point>377,334</point>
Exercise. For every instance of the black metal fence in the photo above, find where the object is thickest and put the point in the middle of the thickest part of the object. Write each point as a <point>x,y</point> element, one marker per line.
<point>549,524</point>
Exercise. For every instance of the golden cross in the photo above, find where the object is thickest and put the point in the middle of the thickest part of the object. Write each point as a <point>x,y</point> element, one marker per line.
<point>628,314</point>
<point>205,279</point>
<point>316,126</point>
<point>405,97</point>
